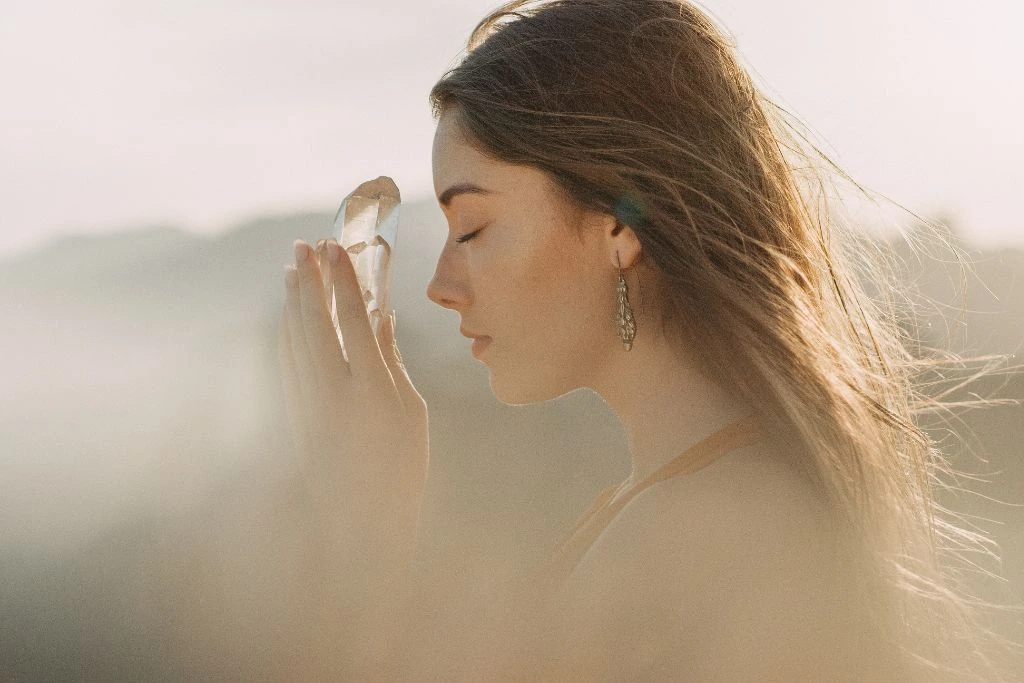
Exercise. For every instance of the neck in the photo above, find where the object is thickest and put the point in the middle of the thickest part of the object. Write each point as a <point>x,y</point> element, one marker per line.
<point>665,405</point>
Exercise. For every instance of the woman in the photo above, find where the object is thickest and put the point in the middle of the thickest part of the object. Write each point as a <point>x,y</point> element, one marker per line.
<point>625,216</point>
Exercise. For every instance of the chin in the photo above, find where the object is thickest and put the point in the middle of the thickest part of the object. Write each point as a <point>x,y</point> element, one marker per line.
<point>523,392</point>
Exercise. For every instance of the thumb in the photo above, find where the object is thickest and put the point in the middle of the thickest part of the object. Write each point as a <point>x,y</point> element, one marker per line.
<point>389,349</point>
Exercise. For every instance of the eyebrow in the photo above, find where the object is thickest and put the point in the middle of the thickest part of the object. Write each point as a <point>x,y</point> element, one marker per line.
<point>454,191</point>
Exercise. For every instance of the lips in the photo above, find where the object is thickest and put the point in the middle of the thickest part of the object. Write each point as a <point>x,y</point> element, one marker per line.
<point>479,344</point>
<point>480,341</point>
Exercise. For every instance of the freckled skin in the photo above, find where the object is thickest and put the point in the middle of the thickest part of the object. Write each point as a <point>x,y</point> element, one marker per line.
<point>546,293</point>
<point>546,299</point>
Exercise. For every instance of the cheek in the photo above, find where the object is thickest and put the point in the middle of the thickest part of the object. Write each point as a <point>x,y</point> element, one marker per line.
<point>514,267</point>
<point>546,277</point>
<point>542,278</point>
<point>566,292</point>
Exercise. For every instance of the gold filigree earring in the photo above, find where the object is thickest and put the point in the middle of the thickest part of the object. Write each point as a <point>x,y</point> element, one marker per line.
<point>624,318</point>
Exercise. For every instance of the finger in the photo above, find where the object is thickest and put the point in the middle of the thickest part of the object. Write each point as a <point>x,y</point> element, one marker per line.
<point>292,393</point>
<point>364,353</point>
<point>303,359</point>
<point>325,272</point>
<point>321,338</point>
<point>411,399</point>
<point>325,269</point>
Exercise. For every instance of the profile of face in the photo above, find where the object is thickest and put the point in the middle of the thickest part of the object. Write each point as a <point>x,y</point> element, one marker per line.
<point>544,295</point>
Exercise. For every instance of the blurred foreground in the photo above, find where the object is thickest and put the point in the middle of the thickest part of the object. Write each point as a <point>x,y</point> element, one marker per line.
<point>145,526</point>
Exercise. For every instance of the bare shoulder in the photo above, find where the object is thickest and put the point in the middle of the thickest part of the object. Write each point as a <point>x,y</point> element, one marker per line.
<point>748,505</point>
<point>725,573</point>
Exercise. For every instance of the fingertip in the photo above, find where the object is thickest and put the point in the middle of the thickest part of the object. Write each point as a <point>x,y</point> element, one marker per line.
<point>302,250</point>
<point>333,251</point>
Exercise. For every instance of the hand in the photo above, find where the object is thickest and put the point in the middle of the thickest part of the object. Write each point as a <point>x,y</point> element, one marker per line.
<point>360,426</point>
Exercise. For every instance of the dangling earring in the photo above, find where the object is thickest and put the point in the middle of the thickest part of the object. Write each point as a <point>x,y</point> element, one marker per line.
<point>624,319</point>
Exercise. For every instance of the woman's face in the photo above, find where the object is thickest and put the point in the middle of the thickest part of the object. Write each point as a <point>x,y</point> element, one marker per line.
<point>545,297</point>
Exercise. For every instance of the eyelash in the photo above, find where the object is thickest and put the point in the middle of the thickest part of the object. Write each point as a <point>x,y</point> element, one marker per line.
<point>468,237</point>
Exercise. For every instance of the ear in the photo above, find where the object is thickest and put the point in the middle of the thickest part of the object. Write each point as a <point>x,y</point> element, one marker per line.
<point>622,244</point>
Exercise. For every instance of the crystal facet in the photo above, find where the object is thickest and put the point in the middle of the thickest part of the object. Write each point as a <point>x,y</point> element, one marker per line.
<point>366,227</point>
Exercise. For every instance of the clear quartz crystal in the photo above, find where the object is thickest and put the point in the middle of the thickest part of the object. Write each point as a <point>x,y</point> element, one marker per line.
<point>366,227</point>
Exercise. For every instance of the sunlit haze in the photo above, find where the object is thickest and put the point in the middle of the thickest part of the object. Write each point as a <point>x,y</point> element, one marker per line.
<point>195,483</point>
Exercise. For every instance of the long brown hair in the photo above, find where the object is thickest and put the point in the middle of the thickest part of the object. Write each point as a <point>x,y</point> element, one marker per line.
<point>641,108</point>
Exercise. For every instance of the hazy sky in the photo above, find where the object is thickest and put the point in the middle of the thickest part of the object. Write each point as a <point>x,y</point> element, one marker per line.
<point>117,114</point>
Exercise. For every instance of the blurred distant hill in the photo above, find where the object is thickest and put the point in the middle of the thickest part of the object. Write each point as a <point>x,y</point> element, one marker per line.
<point>971,307</point>
<point>143,437</point>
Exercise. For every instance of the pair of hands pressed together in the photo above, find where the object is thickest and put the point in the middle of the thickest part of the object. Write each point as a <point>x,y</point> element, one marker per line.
<point>359,425</point>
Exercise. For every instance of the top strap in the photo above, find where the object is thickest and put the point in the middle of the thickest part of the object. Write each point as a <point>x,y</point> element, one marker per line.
<point>606,505</point>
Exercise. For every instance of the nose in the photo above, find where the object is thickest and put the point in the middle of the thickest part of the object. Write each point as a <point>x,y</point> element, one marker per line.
<point>449,287</point>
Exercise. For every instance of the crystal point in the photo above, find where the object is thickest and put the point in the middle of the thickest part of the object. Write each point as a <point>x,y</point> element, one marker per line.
<point>366,227</point>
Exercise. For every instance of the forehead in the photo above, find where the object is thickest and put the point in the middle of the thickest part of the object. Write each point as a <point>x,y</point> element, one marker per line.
<point>456,161</point>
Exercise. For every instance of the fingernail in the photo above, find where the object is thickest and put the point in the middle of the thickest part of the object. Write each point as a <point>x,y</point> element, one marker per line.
<point>393,322</point>
<point>333,251</point>
<point>301,250</point>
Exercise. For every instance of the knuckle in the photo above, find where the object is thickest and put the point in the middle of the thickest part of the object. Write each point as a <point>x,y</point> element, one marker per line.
<point>309,278</point>
<point>308,303</point>
<point>306,282</point>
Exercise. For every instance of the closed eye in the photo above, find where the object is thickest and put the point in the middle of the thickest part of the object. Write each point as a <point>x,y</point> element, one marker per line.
<point>468,237</point>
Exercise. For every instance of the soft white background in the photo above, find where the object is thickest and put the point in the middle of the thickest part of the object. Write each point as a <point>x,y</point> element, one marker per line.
<point>119,114</point>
